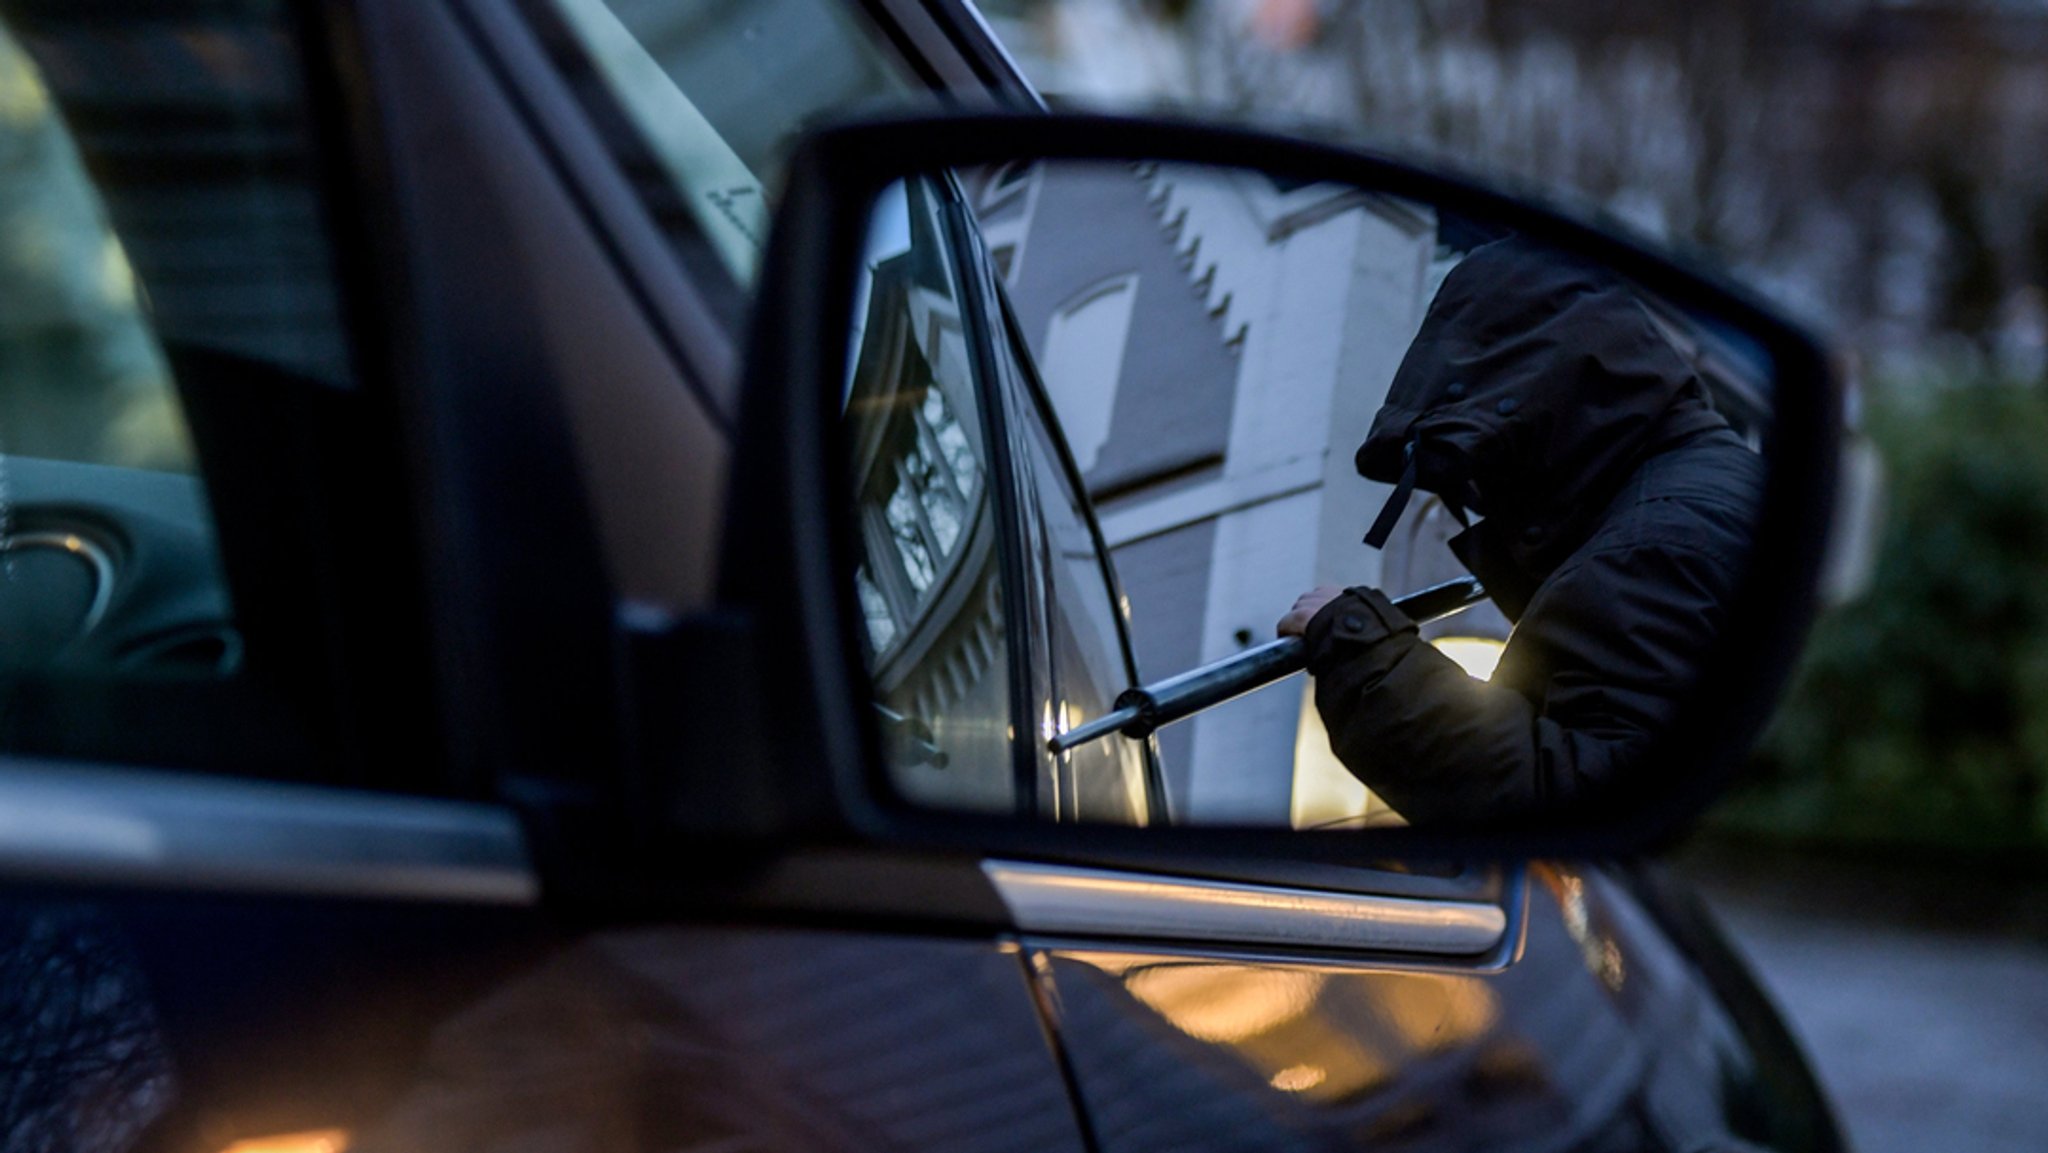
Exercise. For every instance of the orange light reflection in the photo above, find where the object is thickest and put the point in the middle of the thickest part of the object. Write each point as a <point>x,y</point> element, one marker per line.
<point>1316,1034</point>
<point>311,1141</point>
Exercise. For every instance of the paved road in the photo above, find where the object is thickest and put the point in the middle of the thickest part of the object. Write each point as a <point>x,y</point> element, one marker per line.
<point>1930,1034</point>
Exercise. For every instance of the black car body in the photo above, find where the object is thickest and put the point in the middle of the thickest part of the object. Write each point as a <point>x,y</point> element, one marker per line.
<point>301,795</point>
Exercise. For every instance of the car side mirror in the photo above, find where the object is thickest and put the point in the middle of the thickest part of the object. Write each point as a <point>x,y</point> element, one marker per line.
<point>1000,359</point>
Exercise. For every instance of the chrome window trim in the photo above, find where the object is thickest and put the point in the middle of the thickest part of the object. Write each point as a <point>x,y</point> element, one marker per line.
<point>1005,65</point>
<point>1105,903</point>
<point>79,824</point>
<point>951,46</point>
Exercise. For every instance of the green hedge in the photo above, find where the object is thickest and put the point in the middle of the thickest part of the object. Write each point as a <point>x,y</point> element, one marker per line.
<point>1920,713</point>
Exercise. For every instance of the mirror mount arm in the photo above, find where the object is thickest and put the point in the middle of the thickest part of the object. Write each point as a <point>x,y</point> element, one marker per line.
<point>1142,710</point>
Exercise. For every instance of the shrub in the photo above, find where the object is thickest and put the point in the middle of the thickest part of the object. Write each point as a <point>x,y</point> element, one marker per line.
<point>1920,712</point>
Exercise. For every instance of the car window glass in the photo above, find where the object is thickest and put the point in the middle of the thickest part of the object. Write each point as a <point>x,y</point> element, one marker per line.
<point>929,577</point>
<point>82,377</point>
<point>714,89</point>
<point>1103,780</point>
<point>162,254</point>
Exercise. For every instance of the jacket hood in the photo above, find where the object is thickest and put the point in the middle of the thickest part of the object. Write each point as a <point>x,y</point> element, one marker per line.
<point>1536,385</point>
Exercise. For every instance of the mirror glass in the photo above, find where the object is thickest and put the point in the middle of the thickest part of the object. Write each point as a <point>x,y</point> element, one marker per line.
<point>1202,495</point>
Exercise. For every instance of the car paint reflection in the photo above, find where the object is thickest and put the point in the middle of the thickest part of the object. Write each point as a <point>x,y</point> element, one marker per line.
<point>1597,1037</point>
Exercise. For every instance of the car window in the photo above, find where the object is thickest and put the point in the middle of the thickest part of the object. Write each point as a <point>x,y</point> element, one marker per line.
<point>1102,781</point>
<point>929,536</point>
<point>712,92</point>
<point>82,376</point>
<point>163,257</point>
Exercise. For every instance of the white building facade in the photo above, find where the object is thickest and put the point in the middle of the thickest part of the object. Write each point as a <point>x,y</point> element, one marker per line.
<point>1216,346</point>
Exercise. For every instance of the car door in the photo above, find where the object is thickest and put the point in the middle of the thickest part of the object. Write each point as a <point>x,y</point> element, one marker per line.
<point>309,597</point>
<point>1593,1033</point>
<point>1544,1008</point>
<point>241,873</point>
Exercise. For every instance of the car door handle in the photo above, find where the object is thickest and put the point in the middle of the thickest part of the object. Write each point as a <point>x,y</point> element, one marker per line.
<point>1067,900</point>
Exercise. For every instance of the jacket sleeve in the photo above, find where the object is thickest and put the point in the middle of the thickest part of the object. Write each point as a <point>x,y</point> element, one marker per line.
<point>1593,671</point>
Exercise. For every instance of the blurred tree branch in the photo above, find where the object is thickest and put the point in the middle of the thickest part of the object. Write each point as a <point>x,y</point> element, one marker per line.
<point>1875,166</point>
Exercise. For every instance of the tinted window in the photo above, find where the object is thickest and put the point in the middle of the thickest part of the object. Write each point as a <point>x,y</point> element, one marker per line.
<point>164,271</point>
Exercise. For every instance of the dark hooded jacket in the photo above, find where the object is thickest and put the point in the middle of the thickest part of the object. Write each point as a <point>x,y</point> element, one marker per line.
<point>1617,507</point>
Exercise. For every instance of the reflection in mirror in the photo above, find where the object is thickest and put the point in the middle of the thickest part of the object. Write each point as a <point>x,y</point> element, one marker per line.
<point>928,584</point>
<point>1497,498</point>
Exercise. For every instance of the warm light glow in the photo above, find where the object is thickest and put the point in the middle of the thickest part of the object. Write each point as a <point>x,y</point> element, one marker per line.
<point>1602,953</point>
<point>312,1141</point>
<point>1613,973</point>
<point>1324,791</point>
<point>1278,1022</point>
<point>1478,656</point>
<point>1297,1078</point>
<point>1225,1003</point>
<point>1432,1013</point>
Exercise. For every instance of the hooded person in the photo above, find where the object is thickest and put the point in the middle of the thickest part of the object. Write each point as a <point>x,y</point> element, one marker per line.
<point>1616,508</point>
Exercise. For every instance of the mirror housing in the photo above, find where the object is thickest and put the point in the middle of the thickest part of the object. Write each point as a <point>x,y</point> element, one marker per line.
<point>791,558</point>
